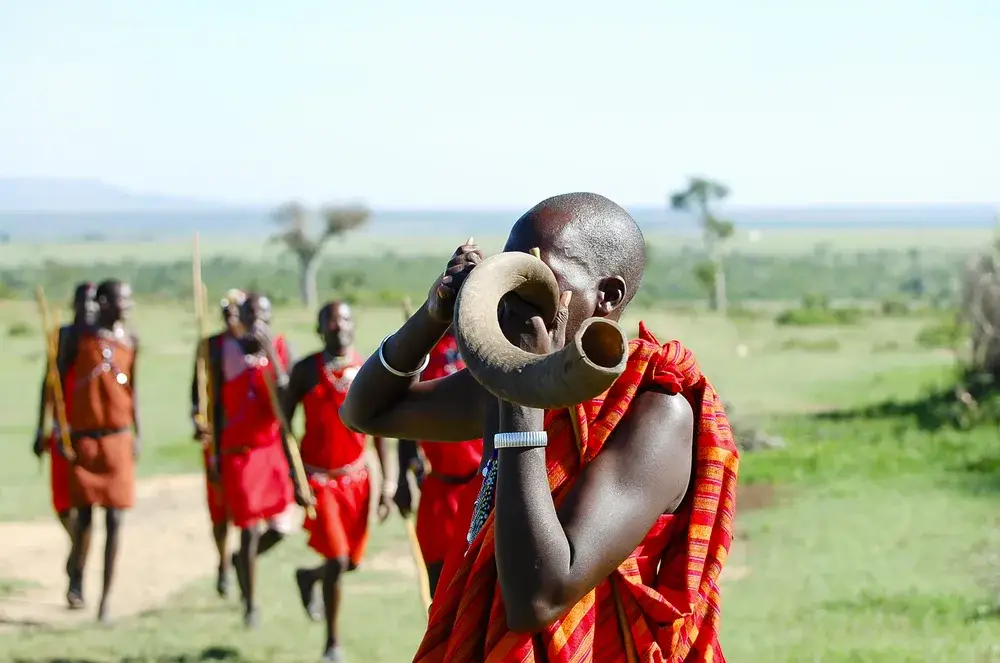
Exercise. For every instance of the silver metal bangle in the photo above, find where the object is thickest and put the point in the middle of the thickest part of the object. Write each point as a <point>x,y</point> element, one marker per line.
<point>401,374</point>
<point>524,440</point>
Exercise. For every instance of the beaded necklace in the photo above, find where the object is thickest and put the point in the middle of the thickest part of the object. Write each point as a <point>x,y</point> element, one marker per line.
<point>105,338</point>
<point>484,501</point>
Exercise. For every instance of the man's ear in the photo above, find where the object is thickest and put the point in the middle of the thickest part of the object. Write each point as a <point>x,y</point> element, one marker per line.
<point>611,294</point>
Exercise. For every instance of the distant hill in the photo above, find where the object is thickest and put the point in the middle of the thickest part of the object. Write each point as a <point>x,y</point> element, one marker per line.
<point>83,195</point>
<point>52,210</point>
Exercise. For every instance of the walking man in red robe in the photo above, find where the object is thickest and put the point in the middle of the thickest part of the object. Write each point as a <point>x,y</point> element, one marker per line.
<point>84,310</point>
<point>254,465</point>
<point>215,498</point>
<point>105,431</point>
<point>335,463</point>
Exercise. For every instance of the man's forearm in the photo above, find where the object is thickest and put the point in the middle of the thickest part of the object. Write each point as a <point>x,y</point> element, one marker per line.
<point>374,388</point>
<point>532,552</point>
<point>43,402</point>
<point>382,451</point>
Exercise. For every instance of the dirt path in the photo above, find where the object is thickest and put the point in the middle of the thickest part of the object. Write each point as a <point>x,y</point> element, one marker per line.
<point>170,525</point>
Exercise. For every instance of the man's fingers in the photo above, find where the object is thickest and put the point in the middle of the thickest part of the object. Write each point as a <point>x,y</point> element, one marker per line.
<point>562,318</point>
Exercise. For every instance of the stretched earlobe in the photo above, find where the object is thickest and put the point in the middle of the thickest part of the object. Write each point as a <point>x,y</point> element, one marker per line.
<point>612,294</point>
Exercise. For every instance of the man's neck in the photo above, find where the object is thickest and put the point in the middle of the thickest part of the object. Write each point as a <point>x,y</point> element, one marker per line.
<point>114,326</point>
<point>336,354</point>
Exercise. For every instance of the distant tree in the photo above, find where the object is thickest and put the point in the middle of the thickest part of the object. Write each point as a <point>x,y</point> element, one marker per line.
<point>698,197</point>
<point>293,219</point>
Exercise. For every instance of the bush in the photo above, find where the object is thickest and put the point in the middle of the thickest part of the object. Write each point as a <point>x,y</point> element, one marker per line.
<point>18,328</point>
<point>812,345</point>
<point>895,307</point>
<point>815,311</point>
<point>944,333</point>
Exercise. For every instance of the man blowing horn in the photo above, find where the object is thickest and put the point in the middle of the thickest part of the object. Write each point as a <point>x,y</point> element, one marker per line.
<point>601,528</point>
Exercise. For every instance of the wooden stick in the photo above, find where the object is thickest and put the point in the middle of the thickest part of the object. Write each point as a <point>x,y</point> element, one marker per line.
<point>298,469</point>
<point>200,298</point>
<point>425,584</point>
<point>53,376</point>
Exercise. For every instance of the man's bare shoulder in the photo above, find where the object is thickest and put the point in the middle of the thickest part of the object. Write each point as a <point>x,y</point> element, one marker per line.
<point>653,445</point>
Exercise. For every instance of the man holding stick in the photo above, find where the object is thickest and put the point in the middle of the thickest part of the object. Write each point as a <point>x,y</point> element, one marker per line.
<point>602,527</point>
<point>105,429</point>
<point>207,430</point>
<point>84,306</point>
<point>335,463</point>
<point>254,464</point>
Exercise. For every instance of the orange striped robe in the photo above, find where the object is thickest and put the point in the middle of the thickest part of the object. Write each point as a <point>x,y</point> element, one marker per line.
<point>662,603</point>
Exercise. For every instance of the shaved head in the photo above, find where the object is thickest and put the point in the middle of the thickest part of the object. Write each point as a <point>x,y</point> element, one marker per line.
<point>114,300</point>
<point>335,325</point>
<point>593,246</point>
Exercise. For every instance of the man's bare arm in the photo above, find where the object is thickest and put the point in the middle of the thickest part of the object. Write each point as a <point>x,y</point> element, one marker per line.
<point>137,442</point>
<point>449,409</point>
<point>548,559</point>
<point>297,389</point>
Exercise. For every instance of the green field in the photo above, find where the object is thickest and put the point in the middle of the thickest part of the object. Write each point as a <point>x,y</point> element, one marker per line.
<point>779,241</point>
<point>880,545</point>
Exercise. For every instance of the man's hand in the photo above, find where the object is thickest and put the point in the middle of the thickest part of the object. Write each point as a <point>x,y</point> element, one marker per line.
<point>39,446</point>
<point>442,295</point>
<point>403,499</point>
<point>201,431</point>
<point>385,500</point>
<point>524,327</point>
<point>304,500</point>
<point>262,334</point>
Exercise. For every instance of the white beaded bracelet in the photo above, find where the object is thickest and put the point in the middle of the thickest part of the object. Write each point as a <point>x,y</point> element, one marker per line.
<point>401,374</point>
<point>525,440</point>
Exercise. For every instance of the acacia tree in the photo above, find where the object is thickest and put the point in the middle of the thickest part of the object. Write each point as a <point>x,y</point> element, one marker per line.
<point>293,219</point>
<point>698,197</point>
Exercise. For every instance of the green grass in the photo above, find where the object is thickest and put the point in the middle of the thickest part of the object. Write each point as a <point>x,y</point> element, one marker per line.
<point>780,241</point>
<point>883,546</point>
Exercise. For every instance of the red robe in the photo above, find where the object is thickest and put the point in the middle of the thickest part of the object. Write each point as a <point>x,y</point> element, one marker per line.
<point>453,467</point>
<point>334,457</point>
<point>662,603</point>
<point>255,474</point>
<point>101,420</point>
<point>58,463</point>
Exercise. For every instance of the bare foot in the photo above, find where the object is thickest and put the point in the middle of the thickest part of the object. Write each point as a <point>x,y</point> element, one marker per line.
<point>307,594</point>
<point>251,619</point>
<point>333,654</point>
<point>103,613</point>
<point>222,582</point>
<point>74,595</point>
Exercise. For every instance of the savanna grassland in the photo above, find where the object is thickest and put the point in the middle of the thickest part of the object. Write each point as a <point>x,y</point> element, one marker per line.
<point>872,535</point>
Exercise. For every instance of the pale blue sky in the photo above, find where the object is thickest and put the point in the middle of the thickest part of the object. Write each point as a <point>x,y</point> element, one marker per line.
<point>445,104</point>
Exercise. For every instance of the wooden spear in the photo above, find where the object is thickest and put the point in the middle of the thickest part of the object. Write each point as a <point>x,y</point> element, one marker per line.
<point>298,469</point>
<point>53,376</point>
<point>200,297</point>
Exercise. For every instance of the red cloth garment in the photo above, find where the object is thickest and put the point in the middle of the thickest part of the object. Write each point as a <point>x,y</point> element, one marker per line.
<point>438,519</point>
<point>255,474</point>
<point>215,495</point>
<point>101,419</point>
<point>334,457</point>
<point>662,603</point>
<point>340,529</point>
<point>58,464</point>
